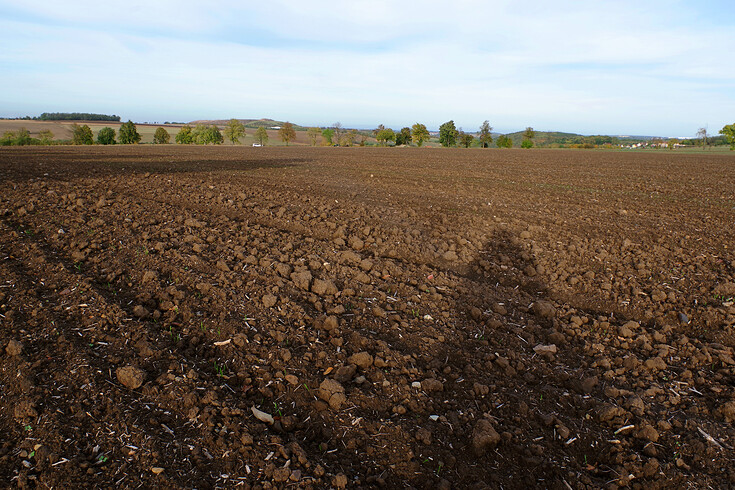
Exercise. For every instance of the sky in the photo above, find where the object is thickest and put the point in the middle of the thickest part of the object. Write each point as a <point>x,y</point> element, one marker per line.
<point>644,67</point>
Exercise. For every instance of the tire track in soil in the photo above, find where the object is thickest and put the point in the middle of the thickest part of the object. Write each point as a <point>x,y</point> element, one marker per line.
<point>141,416</point>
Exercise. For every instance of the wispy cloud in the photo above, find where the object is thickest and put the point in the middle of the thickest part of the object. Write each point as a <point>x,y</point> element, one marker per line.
<point>635,67</point>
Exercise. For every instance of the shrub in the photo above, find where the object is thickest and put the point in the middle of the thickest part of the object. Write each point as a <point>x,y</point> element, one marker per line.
<point>184,136</point>
<point>161,137</point>
<point>81,135</point>
<point>106,136</point>
<point>129,134</point>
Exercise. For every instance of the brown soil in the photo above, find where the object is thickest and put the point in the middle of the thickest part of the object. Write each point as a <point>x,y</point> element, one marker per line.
<point>352,317</point>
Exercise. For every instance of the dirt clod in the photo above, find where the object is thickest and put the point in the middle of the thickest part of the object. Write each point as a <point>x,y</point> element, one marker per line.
<point>14,348</point>
<point>130,376</point>
<point>484,437</point>
<point>333,393</point>
<point>421,328</point>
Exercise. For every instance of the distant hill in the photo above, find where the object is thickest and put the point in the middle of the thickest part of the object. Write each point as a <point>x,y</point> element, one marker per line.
<point>560,139</point>
<point>249,123</point>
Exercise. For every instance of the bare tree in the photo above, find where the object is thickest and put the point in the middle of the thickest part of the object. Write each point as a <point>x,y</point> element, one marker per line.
<point>338,131</point>
<point>702,134</point>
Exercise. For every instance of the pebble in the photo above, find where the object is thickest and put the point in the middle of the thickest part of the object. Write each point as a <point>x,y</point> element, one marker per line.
<point>130,376</point>
<point>655,364</point>
<point>544,309</point>
<point>14,348</point>
<point>302,279</point>
<point>432,384</point>
<point>450,255</point>
<point>362,359</point>
<point>340,481</point>
<point>333,393</point>
<point>484,437</point>
<point>324,288</point>
<point>545,349</point>
<point>269,300</point>
<point>648,433</point>
<point>140,311</point>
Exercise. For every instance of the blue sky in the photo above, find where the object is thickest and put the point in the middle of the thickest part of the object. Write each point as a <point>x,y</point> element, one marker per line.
<point>601,67</point>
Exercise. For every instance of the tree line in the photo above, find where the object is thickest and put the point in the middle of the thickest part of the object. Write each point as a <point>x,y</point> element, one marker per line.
<point>448,136</point>
<point>76,116</point>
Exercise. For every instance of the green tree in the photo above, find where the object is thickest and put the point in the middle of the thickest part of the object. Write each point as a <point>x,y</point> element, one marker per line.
<point>465,139</point>
<point>8,138</point>
<point>287,132</point>
<point>215,136</point>
<point>106,136</point>
<point>161,136</point>
<point>403,137</point>
<point>234,131</point>
<point>419,134</point>
<point>729,133</point>
<point>129,134</point>
<point>448,134</point>
<point>313,133</point>
<point>261,135</point>
<point>327,135</point>
<point>486,136</point>
<point>46,136</point>
<point>529,133</point>
<point>526,143</point>
<point>198,134</point>
<point>384,136</point>
<point>504,141</point>
<point>81,135</point>
<point>185,136</point>
<point>204,135</point>
<point>23,137</point>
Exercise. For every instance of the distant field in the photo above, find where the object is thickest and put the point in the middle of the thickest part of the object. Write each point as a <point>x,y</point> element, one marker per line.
<point>62,130</point>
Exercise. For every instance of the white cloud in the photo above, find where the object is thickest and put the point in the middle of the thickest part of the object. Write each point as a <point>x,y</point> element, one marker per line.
<point>578,66</point>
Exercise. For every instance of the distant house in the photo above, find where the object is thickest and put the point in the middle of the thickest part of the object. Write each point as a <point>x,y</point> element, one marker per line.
<point>275,127</point>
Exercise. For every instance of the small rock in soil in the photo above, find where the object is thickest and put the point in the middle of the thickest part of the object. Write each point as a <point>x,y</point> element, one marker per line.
<point>333,393</point>
<point>302,279</point>
<point>25,409</point>
<point>450,255</point>
<point>484,437</point>
<point>345,373</point>
<point>432,384</point>
<point>140,311</point>
<point>14,348</point>
<point>545,349</point>
<point>544,309</point>
<point>648,433</point>
<point>323,288</point>
<point>362,359</point>
<point>327,323</point>
<point>340,481</point>
<point>269,300</point>
<point>728,411</point>
<point>130,376</point>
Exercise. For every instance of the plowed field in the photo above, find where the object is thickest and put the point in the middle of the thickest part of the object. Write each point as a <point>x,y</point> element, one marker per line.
<point>354,317</point>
